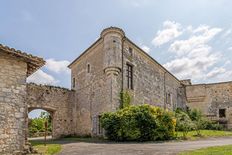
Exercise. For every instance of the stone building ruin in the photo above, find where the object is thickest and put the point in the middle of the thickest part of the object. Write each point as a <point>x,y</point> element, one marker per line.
<point>112,64</point>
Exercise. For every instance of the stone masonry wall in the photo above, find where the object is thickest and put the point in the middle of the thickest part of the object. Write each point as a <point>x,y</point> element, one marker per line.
<point>91,94</point>
<point>58,102</point>
<point>12,104</point>
<point>151,82</point>
<point>209,98</point>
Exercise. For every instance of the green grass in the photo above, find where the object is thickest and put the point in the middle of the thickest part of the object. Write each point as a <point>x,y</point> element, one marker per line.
<point>217,150</point>
<point>49,149</point>
<point>205,133</point>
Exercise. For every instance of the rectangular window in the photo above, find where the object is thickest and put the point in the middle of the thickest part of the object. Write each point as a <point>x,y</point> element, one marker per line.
<point>74,82</point>
<point>129,75</point>
<point>130,51</point>
<point>168,98</point>
<point>88,68</point>
<point>222,113</point>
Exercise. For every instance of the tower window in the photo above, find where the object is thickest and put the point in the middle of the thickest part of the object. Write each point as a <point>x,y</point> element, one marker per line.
<point>130,51</point>
<point>73,82</point>
<point>222,113</point>
<point>168,98</point>
<point>129,75</point>
<point>88,68</point>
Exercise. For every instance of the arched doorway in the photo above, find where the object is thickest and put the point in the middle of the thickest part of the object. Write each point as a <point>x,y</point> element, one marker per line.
<point>39,122</point>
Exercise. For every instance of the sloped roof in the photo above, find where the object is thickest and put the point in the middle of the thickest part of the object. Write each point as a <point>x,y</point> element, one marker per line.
<point>33,62</point>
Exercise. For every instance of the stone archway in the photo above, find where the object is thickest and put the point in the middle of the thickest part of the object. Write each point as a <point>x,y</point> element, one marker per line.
<point>55,100</point>
<point>51,115</point>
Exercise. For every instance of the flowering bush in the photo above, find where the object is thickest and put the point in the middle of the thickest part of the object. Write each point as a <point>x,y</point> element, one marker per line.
<point>139,123</point>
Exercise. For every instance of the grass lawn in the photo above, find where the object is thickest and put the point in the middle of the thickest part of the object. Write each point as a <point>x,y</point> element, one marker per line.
<point>205,133</point>
<point>217,150</point>
<point>49,149</point>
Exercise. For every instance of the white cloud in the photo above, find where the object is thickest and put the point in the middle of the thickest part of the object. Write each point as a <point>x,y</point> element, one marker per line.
<point>227,33</point>
<point>145,48</point>
<point>215,72</point>
<point>230,48</point>
<point>40,77</point>
<point>201,36</point>
<point>57,66</point>
<point>170,31</point>
<point>194,56</point>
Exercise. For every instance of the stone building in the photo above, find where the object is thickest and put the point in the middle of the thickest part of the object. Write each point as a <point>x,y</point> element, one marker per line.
<point>114,64</point>
<point>111,65</point>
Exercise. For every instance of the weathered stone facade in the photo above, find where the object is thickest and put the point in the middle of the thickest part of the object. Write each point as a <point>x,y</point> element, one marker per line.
<point>58,102</point>
<point>100,74</point>
<point>14,68</point>
<point>210,98</point>
<point>111,65</point>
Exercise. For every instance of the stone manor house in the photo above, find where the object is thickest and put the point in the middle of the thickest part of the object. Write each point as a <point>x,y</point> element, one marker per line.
<point>112,64</point>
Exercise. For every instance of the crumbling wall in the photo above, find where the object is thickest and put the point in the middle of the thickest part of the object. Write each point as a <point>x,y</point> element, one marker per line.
<point>209,98</point>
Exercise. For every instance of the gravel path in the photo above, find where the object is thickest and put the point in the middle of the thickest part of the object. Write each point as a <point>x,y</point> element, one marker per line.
<point>170,148</point>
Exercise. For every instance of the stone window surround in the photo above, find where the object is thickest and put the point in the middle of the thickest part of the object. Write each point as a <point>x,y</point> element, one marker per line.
<point>129,75</point>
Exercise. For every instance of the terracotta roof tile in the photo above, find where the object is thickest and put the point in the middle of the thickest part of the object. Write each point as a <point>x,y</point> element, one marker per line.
<point>34,62</point>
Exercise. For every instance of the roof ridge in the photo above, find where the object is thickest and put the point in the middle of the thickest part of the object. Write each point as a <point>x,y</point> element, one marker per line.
<point>19,52</point>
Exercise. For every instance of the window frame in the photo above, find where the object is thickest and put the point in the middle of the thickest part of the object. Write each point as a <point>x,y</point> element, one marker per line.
<point>129,76</point>
<point>130,51</point>
<point>73,82</point>
<point>222,113</point>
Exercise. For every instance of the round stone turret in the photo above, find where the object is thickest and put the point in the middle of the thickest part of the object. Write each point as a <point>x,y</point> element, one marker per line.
<point>112,46</point>
<point>112,30</point>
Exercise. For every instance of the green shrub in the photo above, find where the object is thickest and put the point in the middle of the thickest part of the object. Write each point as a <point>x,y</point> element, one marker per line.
<point>139,123</point>
<point>183,122</point>
<point>125,99</point>
<point>210,125</point>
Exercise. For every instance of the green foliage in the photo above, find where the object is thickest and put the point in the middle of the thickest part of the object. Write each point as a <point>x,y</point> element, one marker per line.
<point>139,123</point>
<point>194,120</point>
<point>125,99</point>
<point>36,125</point>
<point>183,122</point>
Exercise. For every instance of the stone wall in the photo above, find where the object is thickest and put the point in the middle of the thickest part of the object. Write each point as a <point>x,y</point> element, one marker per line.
<point>209,98</point>
<point>13,75</point>
<point>152,83</point>
<point>91,96</point>
<point>98,90</point>
<point>58,102</point>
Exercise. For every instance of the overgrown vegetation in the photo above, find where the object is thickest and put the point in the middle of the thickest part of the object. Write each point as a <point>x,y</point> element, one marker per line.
<point>125,99</point>
<point>146,122</point>
<point>139,123</point>
<point>36,125</point>
<point>193,120</point>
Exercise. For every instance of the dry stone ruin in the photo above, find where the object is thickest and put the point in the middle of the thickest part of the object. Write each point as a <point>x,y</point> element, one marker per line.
<point>112,64</point>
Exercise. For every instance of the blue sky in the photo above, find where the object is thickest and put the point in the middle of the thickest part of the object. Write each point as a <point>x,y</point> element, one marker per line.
<point>193,39</point>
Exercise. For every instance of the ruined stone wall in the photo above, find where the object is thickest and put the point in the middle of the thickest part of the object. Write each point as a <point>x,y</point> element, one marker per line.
<point>58,102</point>
<point>151,82</point>
<point>209,98</point>
<point>12,104</point>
